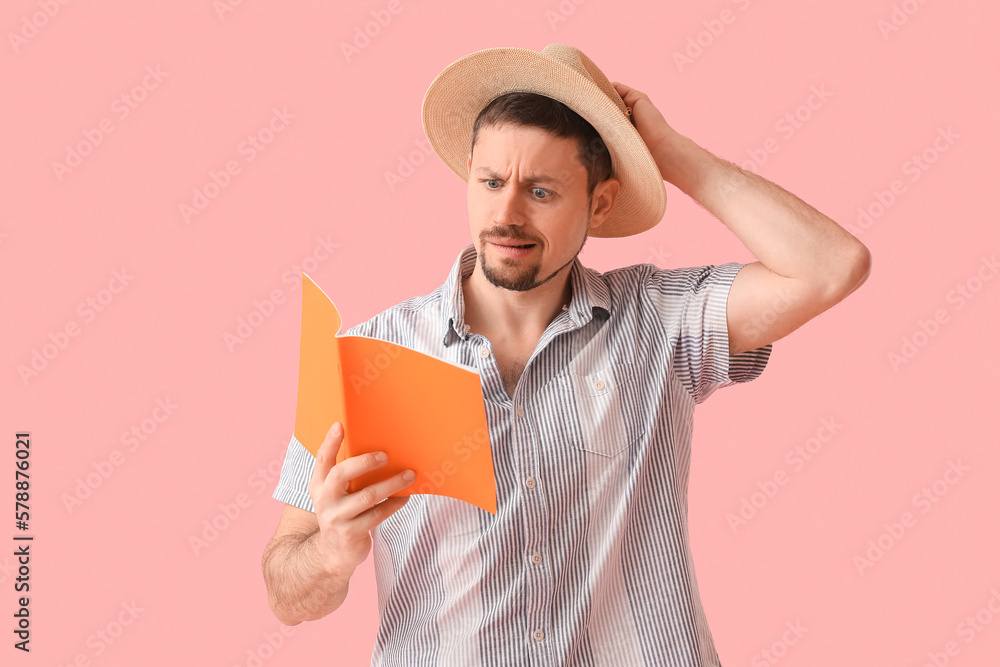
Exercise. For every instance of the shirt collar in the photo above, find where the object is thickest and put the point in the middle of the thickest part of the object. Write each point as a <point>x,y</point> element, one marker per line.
<point>589,292</point>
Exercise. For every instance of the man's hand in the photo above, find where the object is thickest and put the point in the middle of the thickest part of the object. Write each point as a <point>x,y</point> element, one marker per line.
<point>652,126</point>
<point>808,263</point>
<point>308,563</point>
<point>346,519</point>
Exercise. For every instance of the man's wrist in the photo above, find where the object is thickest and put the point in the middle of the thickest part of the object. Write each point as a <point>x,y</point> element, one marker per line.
<point>673,157</point>
<point>330,566</point>
<point>687,166</point>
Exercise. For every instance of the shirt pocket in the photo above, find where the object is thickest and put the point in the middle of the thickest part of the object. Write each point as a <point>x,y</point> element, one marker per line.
<point>605,402</point>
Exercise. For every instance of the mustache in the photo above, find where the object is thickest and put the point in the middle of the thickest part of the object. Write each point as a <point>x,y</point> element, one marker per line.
<point>512,233</point>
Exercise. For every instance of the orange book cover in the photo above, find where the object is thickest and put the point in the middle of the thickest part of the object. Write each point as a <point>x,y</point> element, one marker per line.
<point>427,414</point>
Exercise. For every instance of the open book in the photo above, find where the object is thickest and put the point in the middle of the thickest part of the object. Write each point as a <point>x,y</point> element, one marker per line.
<point>425,413</point>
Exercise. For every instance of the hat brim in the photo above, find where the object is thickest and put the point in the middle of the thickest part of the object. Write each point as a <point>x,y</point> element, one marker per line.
<point>457,95</point>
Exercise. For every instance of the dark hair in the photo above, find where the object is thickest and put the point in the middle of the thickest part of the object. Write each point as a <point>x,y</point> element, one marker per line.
<point>533,110</point>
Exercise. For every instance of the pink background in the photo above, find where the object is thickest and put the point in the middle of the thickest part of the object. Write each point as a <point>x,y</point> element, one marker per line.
<point>323,175</point>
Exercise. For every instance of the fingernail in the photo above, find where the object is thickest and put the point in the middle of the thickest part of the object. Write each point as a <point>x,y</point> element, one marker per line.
<point>337,428</point>
<point>381,457</point>
<point>409,475</point>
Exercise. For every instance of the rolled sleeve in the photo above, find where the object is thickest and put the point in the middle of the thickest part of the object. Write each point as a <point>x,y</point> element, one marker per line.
<point>293,482</point>
<point>696,317</point>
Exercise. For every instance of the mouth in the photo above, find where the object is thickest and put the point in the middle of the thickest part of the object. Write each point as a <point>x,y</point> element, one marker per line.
<point>515,250</point>
<point>507,244</point>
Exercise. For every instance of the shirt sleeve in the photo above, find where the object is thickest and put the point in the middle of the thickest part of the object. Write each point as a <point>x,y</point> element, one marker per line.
<point>294,479</point>
<point>691,303</point>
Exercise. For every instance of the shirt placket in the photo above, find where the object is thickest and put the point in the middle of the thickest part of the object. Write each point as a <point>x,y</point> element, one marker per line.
<point>539,574</point>
<point>535,559</point>
<point>538,603</point>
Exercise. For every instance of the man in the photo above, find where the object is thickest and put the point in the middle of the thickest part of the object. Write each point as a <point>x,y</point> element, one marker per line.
<point>589,380</point>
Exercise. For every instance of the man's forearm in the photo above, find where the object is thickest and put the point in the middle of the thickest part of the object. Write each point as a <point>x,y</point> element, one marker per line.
<point>302,585</point>
<point>787,235</point>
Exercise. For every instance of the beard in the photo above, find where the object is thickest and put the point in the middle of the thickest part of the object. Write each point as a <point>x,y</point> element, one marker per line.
<point>512,274</point>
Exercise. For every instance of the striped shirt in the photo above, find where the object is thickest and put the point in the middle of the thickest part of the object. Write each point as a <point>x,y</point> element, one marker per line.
<point>587,560</point>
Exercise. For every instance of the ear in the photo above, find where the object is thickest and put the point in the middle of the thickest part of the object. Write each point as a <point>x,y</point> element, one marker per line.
<point>468,164</point>
<point>605,194</point>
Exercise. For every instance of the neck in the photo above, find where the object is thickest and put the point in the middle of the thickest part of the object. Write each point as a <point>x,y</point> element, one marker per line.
<point>500,313</point>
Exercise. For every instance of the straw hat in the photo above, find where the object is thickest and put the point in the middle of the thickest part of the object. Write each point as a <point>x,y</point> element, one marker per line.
<point>457,95</point>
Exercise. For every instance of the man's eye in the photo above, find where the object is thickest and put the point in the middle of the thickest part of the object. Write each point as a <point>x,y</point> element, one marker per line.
<point>492,183</point>
<point>540,193</point>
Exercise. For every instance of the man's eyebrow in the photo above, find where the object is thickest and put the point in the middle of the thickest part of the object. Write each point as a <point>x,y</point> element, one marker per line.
<point>531,178</point>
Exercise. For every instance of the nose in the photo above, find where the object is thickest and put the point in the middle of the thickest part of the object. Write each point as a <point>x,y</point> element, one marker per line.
<point>509,207</point>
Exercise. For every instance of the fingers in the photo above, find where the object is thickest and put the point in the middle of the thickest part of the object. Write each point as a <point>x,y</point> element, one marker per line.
<point>326,455</point>
<point>350,469</point>
<point>322,485</point>
<point>633,97</point>
<point>368,519</point>
<point>627,93</point>
<point>330,482</point>
<point>365,499</point>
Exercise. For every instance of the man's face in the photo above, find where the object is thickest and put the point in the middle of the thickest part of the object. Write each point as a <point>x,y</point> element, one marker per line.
<point>527,187</point>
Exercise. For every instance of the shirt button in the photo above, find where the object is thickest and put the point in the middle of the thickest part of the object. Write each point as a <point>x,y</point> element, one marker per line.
<point>539,635</point>
<point>599,385</point>
<point>530,482</point>
<point>484,352</point>
<point>536,558</point>
<point>520,411</point>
